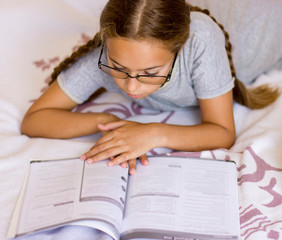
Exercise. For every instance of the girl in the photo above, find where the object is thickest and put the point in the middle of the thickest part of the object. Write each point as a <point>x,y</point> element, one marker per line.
<point>162,54</point>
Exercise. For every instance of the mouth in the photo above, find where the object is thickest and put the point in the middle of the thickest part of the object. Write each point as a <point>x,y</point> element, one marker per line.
<point>135,96</point>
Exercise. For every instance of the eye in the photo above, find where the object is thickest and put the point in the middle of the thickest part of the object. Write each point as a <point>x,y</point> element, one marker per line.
<point>151,73</point>
<point>119,68</point>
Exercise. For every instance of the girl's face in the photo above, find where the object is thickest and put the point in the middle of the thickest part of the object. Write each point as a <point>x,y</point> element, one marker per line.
<point>138,58</point>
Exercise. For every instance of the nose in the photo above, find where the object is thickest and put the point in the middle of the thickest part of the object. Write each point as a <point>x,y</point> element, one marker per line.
<point>132,84</point>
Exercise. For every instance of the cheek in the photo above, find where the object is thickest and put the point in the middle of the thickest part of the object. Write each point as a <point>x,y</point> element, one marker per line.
<point>120,82</point>
<point>152,88</point>
<point>140,89</point>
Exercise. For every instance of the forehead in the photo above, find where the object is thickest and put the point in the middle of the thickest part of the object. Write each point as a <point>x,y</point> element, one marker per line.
<point>139,54</point>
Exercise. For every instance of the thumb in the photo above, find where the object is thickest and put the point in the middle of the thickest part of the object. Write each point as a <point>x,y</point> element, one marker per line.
<point>110,126</point>
<point>103,127</point>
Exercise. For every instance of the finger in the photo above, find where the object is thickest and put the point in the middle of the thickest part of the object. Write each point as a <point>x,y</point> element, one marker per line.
<point>99,146</point>
<point>83,157</point>
<point>104,132</point>
<point>123,157</point>
<point>144,160</point>
<point>92,152</point>
<point>111,125</point>
<point>132,166</point>
<point>123,164</point>
<point>102,127</point>
<point>105,138</point>
<point>105,154</point>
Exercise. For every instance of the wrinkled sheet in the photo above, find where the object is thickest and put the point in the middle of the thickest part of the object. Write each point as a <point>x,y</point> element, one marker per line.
<point>35,36</point>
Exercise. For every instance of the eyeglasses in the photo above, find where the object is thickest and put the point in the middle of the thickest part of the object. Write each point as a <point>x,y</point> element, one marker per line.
<point>146,79</point>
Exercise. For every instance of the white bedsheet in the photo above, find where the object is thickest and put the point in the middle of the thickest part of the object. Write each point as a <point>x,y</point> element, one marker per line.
<point>35,36</point>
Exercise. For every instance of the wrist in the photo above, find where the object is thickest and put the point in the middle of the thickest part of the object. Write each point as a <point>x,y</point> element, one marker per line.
<point>107,118</point>
<point>158,133</point>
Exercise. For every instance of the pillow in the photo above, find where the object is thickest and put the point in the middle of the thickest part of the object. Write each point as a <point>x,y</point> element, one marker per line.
<point>255,33</point>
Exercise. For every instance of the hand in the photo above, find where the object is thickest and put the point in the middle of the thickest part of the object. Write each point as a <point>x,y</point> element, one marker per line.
<point>125,141</point>
<point>132,164</point>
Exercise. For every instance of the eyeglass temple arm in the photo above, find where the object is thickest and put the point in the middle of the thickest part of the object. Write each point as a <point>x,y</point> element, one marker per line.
<point>99,61</point>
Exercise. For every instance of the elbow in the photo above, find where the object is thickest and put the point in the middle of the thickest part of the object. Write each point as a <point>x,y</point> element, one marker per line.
<point>230,140</point>
<point>224,138</point>
<point>26,129</point>
<point>230,144</point>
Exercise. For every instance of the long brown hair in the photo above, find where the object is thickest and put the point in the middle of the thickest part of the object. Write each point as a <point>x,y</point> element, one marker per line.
<point>165,21</point>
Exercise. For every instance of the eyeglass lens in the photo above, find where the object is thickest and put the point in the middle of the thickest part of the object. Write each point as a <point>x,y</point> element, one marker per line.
<point>156,80</point>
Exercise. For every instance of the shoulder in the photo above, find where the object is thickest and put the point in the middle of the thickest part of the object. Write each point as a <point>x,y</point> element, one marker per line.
<point>84,77</point>
<point>204,35</point>
<point>204,27</point>
<point>90,58</point>
<point>86,65</point>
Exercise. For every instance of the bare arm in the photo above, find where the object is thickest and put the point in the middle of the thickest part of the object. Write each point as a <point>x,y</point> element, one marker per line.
<point>50,116</point>
<point>130,140</point>
<point>217,129</point>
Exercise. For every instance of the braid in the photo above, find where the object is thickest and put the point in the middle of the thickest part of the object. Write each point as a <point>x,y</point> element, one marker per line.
<point>254,98</point>
<point>80,52</point>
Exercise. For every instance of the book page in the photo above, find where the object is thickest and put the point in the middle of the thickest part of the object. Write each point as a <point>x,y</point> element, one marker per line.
<point>63,191</point>
<point>177,197</point>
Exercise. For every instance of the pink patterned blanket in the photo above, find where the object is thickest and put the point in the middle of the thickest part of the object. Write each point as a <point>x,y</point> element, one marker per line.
<point>33,41</point>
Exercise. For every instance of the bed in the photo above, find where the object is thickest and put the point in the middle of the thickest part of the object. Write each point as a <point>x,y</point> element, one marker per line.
<point>36,35</point>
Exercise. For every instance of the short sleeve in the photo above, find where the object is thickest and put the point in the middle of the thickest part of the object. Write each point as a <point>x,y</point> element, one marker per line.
<point>255,31</point>
<point>211,74</point>
<point>83,78</point>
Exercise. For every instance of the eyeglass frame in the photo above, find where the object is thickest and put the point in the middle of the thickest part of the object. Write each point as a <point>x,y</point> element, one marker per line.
<point>168,77</point>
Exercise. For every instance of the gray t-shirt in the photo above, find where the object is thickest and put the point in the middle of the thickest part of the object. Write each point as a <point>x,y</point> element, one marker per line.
<point>201,71</point>
<point>255,30</point>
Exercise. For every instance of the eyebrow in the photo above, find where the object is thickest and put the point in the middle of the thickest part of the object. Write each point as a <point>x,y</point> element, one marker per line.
<point>149,68</point>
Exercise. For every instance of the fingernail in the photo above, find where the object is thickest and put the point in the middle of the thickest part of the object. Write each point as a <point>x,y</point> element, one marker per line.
<point>110,164</point>
<point>132,171</point>
<point>89,160</point>
<point>123,165</point>
<point>83,157</point>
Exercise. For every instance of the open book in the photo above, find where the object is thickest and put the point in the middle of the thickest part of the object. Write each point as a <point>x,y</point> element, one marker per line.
<point>172,198</point>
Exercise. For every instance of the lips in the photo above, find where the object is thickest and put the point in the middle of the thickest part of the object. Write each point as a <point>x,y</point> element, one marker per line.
<point>135,96</point>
